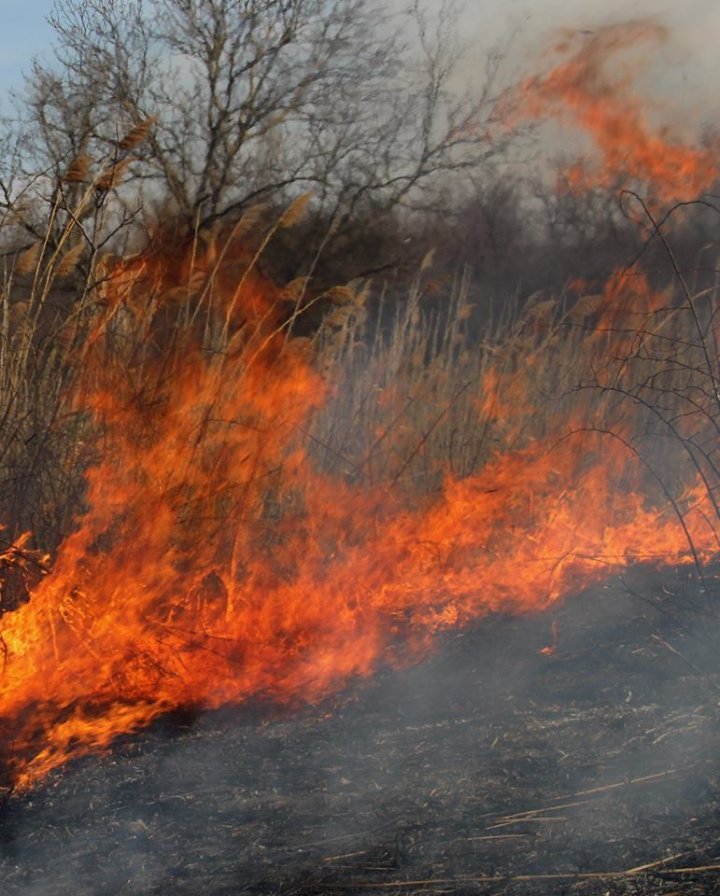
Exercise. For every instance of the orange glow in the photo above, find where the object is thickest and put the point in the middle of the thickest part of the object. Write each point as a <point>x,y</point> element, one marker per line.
<point>592,90</point>
<point>550,649</point>
<point>217,563</point>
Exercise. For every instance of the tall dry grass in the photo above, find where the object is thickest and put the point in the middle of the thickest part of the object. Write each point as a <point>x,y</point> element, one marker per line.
<point>423,393</point>
<point>420,387</point>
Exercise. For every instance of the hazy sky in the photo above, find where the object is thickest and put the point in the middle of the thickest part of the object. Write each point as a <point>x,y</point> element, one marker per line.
<point>688,66</point>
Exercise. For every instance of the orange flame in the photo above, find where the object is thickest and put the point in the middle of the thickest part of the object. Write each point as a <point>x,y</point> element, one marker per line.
<point>593,91</point>
<point>216,562</point>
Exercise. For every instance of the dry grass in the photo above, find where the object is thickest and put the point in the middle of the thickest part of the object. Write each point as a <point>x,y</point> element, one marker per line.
<point>426,390</point>
<point>420,386</point>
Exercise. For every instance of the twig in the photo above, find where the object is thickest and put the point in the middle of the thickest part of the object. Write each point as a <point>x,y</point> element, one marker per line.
<point>557,803</point>
<point>517,878</point>
<point>678,654</point>
<point>638,869</point>
<point>498,837</point>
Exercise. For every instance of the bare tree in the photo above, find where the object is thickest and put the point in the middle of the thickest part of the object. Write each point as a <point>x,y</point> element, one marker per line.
<point>249,101</point>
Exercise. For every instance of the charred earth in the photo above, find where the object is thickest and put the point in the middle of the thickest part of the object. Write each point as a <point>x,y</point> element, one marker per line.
<point>567,752</point>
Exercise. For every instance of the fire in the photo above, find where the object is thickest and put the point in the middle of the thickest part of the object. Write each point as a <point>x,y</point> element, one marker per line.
<point>217,561</point>
<point>592,90</point>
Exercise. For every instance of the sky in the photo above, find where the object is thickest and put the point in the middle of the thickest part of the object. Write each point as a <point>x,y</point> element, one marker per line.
<point>688,67</point>
<point>24,33</point>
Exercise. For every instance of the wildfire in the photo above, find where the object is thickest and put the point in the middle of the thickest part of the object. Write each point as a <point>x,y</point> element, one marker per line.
<point>217,561</point>
<point>593,91</point>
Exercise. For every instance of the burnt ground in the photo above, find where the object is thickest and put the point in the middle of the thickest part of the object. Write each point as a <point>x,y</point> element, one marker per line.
<point>490,768</point>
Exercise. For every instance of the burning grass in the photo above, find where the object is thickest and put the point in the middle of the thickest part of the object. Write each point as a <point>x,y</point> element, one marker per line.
<point>270,518</point>
<point>490,766</point>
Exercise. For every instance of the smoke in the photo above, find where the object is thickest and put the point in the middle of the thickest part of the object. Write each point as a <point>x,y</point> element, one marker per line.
<point>686,69</point>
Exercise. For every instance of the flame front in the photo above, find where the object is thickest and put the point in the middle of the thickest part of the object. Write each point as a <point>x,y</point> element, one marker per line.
<point>217,561</point>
